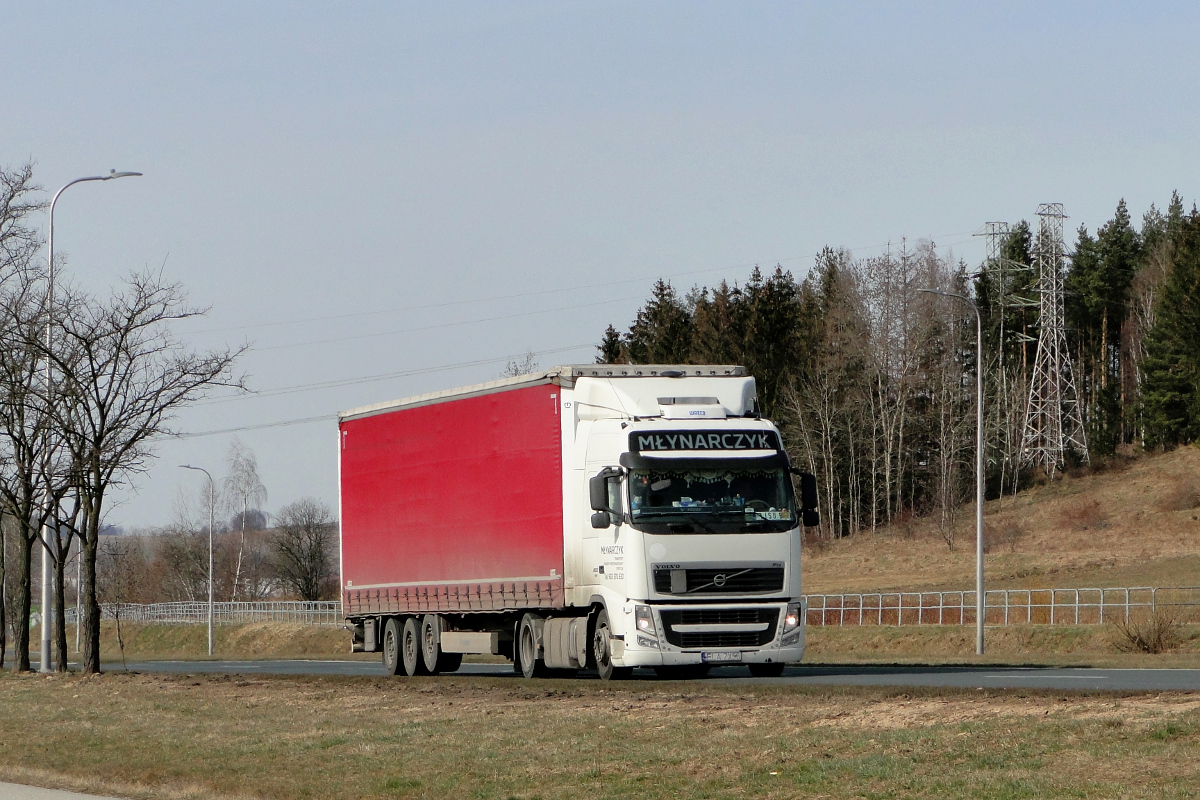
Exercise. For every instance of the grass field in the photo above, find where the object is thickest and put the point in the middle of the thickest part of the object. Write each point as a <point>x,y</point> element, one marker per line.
<point>221,737</point>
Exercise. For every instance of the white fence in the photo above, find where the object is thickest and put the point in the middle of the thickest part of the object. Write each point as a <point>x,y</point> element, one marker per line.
<point>316,613</point>
<point>1003,606</point>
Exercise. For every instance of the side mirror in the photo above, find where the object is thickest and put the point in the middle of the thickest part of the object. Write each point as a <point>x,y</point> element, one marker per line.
<point>812,518</point>
<point>600,520</point>
<point>598,494</point>
<point>808,491</point>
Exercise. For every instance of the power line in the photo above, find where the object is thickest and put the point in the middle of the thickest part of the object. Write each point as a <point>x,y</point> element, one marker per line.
<point>443,325</point>
<point>352,381</point>
<point>492,298</point>
<point>305,387</point>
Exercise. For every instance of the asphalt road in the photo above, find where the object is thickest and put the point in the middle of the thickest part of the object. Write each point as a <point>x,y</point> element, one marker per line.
<point>963,676</point>
<point>17,791</point>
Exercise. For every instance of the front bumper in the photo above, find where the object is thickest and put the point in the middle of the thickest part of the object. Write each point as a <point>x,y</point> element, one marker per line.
<point>643,651</point>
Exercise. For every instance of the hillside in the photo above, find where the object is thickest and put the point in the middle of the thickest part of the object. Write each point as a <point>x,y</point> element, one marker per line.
<point>1134,524</point>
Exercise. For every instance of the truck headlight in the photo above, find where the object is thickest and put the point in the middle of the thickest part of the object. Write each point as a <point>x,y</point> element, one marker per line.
<point>793,617</point>
<point>644,620</point>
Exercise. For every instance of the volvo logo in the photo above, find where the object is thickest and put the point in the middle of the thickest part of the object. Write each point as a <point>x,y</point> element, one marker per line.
<point>719,580</point>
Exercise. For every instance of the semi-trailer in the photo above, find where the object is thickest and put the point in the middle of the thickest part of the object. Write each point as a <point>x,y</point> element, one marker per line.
<point>586,517</point>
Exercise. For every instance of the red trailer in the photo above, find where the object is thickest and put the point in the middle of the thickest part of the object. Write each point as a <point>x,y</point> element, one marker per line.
<point>433,517</point>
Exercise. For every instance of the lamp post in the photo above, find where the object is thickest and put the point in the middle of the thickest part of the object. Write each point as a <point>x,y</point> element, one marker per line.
<point>211,504</point>
<point>980,597</point>
<point>46,533</point>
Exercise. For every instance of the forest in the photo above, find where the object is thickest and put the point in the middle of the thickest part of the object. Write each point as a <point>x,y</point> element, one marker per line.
<point>872,378</point>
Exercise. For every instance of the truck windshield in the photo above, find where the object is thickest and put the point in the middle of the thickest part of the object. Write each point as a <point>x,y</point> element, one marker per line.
<point>711,501</point>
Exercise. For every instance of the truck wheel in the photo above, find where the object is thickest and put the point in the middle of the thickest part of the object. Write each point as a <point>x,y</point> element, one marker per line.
<point>773,670</point>
<point>391,647</point>
<point>410,648</point>
<point>431,642</point>
<point>527,650</point>
<point>602,653</point>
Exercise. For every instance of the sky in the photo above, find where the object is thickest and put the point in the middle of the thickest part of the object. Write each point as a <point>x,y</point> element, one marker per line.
<point>386,199</point>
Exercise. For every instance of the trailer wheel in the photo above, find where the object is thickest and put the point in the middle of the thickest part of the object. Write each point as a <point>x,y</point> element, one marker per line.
<point>436,660</point>
<point>391,647</point>
<point>527,650</point>
<point>602,653</point>
<point>773,670</point>
<point>410,648</point>
<point>431,642</point>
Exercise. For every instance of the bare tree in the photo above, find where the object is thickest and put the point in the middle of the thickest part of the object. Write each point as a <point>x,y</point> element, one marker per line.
<point>29,477</point>
<point>526,364</point>
<point>303,547</point>
<point>121,570</point>
<point>182,547</point>
<point>242,487</point>
<point>120,391</point>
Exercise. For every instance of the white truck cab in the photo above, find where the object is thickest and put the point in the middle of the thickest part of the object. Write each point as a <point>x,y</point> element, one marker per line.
<point>688,530</point>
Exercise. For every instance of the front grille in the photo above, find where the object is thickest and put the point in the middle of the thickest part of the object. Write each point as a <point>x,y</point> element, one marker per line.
<point>753,580</point>
<point>719,616</point>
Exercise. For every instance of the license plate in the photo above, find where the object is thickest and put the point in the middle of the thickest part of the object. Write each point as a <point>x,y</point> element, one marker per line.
<point>715,658</point>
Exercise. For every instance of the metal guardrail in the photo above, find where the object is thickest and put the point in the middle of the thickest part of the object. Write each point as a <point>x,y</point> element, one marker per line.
<point>1090,606</point>
<point>315,613</point>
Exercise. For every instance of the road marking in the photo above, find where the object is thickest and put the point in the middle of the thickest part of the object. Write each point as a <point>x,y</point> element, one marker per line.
<point>1049,675</point>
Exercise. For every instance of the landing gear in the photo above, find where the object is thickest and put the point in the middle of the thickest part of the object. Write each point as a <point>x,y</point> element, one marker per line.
<point>602,652</point>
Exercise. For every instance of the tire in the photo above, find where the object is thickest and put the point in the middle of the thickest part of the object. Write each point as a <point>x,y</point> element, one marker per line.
<point>602,654</point>
<point>410,648</point>
<point>431,643</point>
<point>772,670</point>
<point>449,662</point>
<point>683,672</point>
<point>526,650</point>
<point>391,647</point>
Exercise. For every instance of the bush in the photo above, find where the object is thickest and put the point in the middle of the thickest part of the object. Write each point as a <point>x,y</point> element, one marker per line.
<point>1002,533</point>
<point>1184,496</point>
<point>1156,632</point>
<point>1082,514</point>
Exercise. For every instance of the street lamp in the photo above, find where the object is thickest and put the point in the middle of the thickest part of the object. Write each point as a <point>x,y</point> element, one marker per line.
<point>980,604</point>
<point>45,654</point>
<point>211,503</point>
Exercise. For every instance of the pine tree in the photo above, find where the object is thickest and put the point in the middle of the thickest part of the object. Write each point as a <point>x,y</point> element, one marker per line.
<point>1171,373</point>
<point>772,343</point>
<point>661,333</point>
<point>717,325</point>
<point>610,350</point>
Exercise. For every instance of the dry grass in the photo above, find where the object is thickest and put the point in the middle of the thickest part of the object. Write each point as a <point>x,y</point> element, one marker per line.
<point>1062,645</point>
<point>219,737</point>
<point>246,641</point>
<point>1122,527</point>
